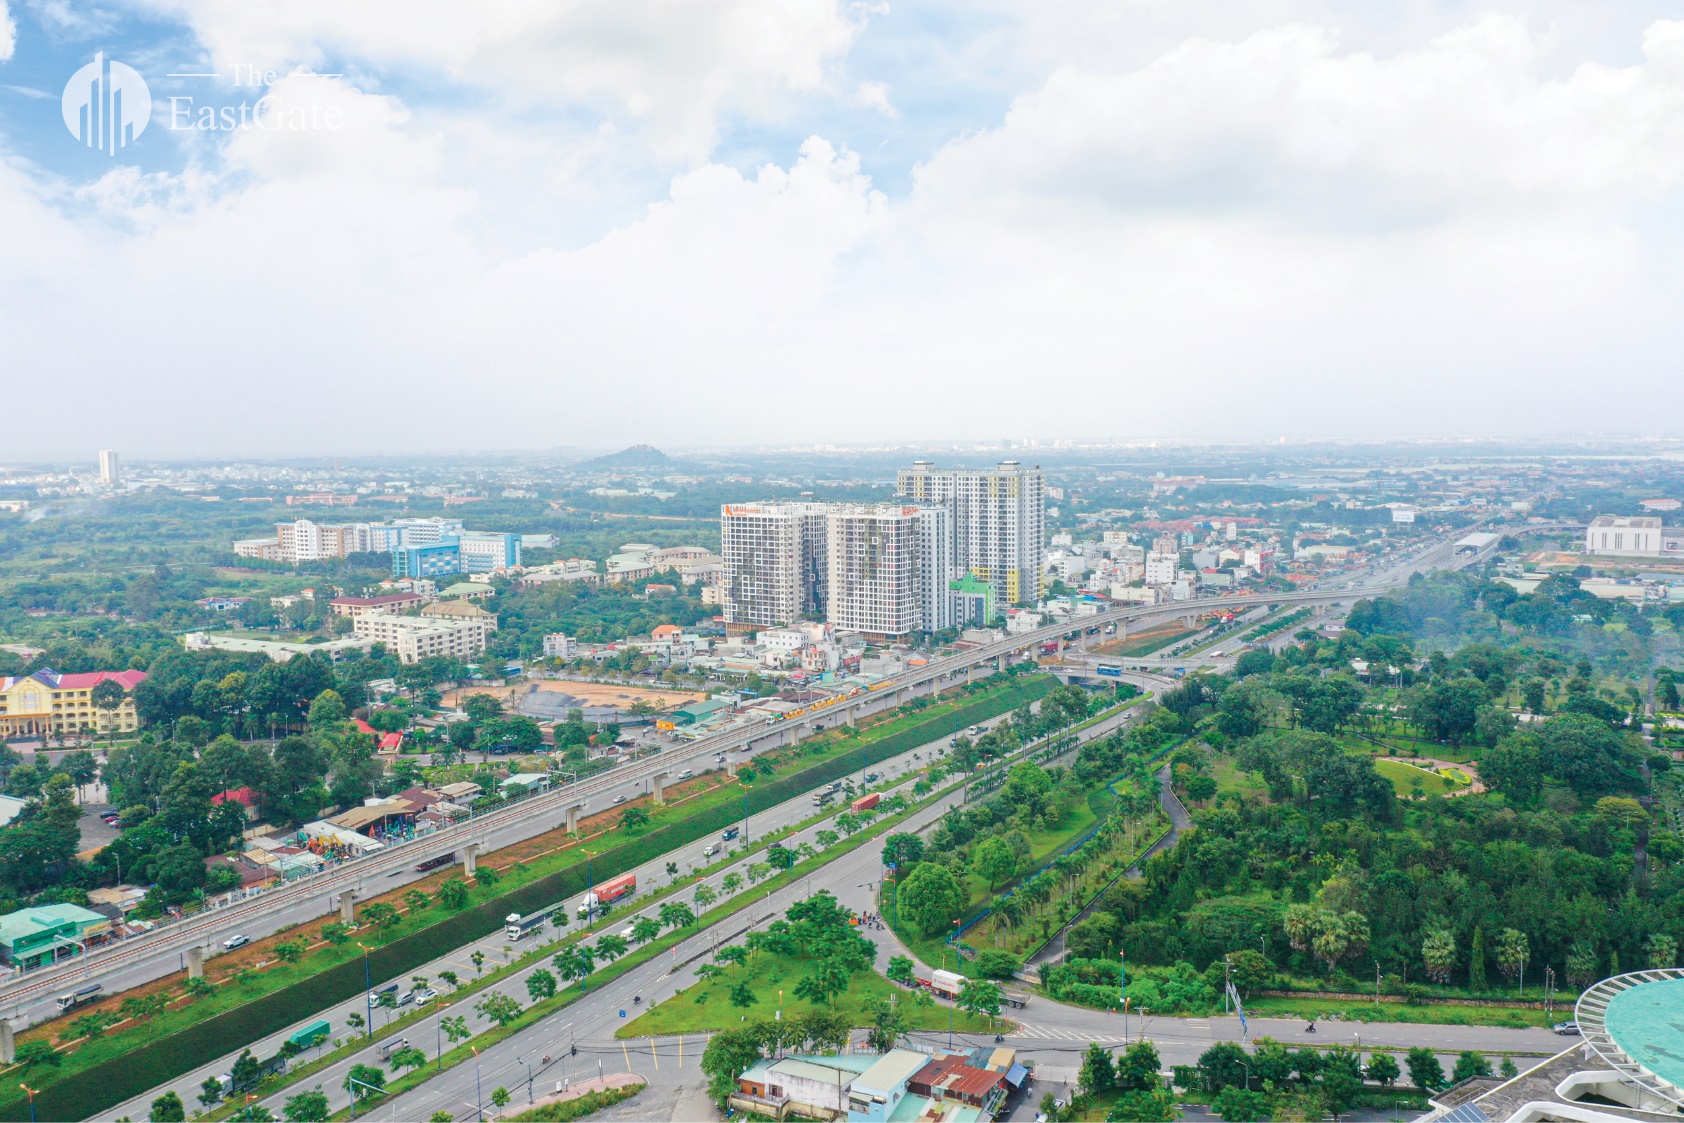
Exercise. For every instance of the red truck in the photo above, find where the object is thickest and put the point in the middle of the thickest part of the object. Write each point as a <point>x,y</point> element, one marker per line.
<point>866,801</point>
<point>598,899</point>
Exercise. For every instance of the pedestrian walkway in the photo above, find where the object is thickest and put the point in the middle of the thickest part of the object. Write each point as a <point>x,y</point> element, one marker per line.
<point>585,1087</point>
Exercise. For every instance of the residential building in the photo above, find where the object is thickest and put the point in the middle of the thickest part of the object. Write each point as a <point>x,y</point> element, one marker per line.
<point>889,568</point>
<point>1161,568</point>
<point>483,553</point>
<point>775,565</point>
<point>460,609</point>
<point>305,540</point>
<point>560,645</point>
<point>970,602</point>
<point>222,604</point>
<point>110,467</point>
<point>35,936</point>
<point>538,542</point>
<point>395,603</point>
<point>47,702</point>
<point>277,650</point>
<point>573,569</point>
<point>414,638</point>
<point>1639,536</point>
<point>812,1087</point>
<point>441,560</point>
<point>878,1091</point>
<point>263,549</point>
<point>999,522</point>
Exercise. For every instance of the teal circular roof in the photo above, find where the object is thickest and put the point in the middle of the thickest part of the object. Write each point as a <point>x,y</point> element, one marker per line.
<point>1647,1023</point>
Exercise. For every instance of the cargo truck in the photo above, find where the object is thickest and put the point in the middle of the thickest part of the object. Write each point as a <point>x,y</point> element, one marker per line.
<point>604,895</point>
<point>866,802</point>
<point>946,983</point>
<point>313,1034</point>
<point>518,927</point>
<point>89,993</point>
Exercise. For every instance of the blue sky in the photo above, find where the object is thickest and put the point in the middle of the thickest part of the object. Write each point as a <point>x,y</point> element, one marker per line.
<point>683,222</point>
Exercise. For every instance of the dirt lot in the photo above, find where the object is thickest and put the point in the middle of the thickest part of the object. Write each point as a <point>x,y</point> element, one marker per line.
<point>594,693</point>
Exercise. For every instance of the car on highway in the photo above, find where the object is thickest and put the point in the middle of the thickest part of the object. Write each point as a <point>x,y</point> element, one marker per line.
<point>1566,1029</point>
<point>686,774</point>
<point>406,998</point>
<point>619,799</point>
<point>424,994</point>
<point>871,777</point>
<point>238,940</point>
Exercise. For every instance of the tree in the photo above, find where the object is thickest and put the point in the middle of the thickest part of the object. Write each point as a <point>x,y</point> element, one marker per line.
<point>1660,951</point>
<point>210,1092</point>
<point>728,1053</point>
<point>1382,1069</point>
<point>485,876</point>
<point>633,817</point>
<point>1249,969</point>
<point>108,695</point>
<point>646,929</point>
<point>780,857</point>
<point>731,882</point>
<point>824,981</point>
<point>742,996</point>
<point>1098,1076</point>
<point>1470,1064</point>
<point>1223,1066</point>
<point>994,860</point>
<point>757,871</point>
<point>1238,1105</point>
<point>307,1107</point>
<point>704,898</point>
<point>1476,961</point>
<point>611,947</point>
<point>38,1053</point>
<point>540,985</point>
<point>168,1107</point>
<point>1200,788</point>
<point>980,996</point>
<point>1424,1070</point>
<point>453,893</point>
<point>456,1029</point>
<point>900,969</point>
<point>931,898</point>
<point>677,914</point>
<point>499,1008</point>
<point>827,839</point>
<point>1138,1068</point>
<point>899,850</point>
<point>1513,951</point>
<point>1438,953</point>
<point>410,1057</point>
<point>500,1096</point>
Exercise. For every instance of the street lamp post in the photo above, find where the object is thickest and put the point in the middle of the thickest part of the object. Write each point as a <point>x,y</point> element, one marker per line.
<point>368,992</point>
<point>31,1092</point>
<point>479,1102</point>
<point>438,1034</point>
<point>528,1067</point>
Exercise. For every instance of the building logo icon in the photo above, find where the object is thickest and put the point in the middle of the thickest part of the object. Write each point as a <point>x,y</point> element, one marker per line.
<point>106,105</point>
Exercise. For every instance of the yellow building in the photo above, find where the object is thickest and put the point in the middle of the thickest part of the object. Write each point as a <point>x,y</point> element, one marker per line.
<point>47,702</point>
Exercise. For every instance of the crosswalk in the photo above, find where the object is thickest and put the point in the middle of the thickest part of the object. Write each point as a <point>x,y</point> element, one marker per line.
<point>1197,1028</point>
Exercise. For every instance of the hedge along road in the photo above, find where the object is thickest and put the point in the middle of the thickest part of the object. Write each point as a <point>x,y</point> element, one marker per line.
<point>426,1035</point>
<point>100,1087</point>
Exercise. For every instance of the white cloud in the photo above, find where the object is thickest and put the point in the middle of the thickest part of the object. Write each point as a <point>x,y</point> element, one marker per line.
<point>1268,233</point>
<point>671,70</point>
<point>8,33</point>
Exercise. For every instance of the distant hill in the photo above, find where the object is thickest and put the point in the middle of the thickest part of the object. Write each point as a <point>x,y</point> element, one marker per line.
<point>637,456</point>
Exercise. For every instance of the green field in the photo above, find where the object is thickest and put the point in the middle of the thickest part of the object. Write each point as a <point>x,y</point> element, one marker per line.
<point>1403,777</point>
<point>705,1006</point>
<point>1426,1014</point>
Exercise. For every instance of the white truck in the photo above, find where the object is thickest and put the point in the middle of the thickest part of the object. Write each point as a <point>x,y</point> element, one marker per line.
<point>518,927</point>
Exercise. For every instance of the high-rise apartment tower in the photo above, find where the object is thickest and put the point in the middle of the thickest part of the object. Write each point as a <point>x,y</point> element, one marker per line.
<point>775,569</point>
<point>999,521</point>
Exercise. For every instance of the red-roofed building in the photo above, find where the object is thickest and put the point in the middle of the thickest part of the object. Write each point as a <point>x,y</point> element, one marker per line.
<point>395,604</point>
<point>385,742</point>
<point>245,797</point>
<point>952,1078</point>
<point>47,703</point>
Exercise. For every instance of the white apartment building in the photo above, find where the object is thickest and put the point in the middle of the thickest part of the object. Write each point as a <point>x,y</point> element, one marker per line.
<point>414,638</point>
<point>1161,568</point>
<point>573,569</point>
<point>773,555</point>
<point>999,521</point>
<point>1639,536</point>
<point>890,565</point>
<point>560,645</point>
<point>110,467</point>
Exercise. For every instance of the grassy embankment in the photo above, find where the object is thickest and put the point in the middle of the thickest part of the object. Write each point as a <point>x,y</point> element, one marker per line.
<point>254,999</point>
<point>705,1006</point>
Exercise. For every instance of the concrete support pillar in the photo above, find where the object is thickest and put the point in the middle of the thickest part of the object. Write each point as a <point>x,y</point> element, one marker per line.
<point>730,766</point>
<point>850,717</point>
<point>658,785</point>
<point>345,900</point>
<point>999,663</point>
<point>470,852</point>
<point>572,818</point>
<point>8,1052</point>
<point>195,964</point>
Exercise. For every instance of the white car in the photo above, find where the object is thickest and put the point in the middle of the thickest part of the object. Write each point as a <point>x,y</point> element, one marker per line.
<point>236,941</point>
<point>619,799</point>
<point>426,994</point>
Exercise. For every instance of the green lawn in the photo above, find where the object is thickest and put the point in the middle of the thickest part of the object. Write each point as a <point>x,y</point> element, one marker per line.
<point>1231,778</point>
<point>705,1006</point>
<point>1403,777</point>
<point>1517,1017</point>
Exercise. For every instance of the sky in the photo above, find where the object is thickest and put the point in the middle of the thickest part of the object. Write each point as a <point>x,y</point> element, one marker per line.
<point>427,227</point>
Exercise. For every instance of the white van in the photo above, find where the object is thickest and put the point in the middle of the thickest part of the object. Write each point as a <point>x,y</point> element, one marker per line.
<point>390,1046</point>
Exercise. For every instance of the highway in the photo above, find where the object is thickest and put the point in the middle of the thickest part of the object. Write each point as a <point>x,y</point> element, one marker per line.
<point>29,998</point>
<point>650,876</point>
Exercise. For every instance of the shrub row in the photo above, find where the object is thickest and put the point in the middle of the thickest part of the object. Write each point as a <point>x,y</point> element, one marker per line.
<point>111,1082</point>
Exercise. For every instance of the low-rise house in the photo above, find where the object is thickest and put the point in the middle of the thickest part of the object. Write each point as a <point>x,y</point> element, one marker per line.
<point>529,783</point>
<point>395,603</point>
